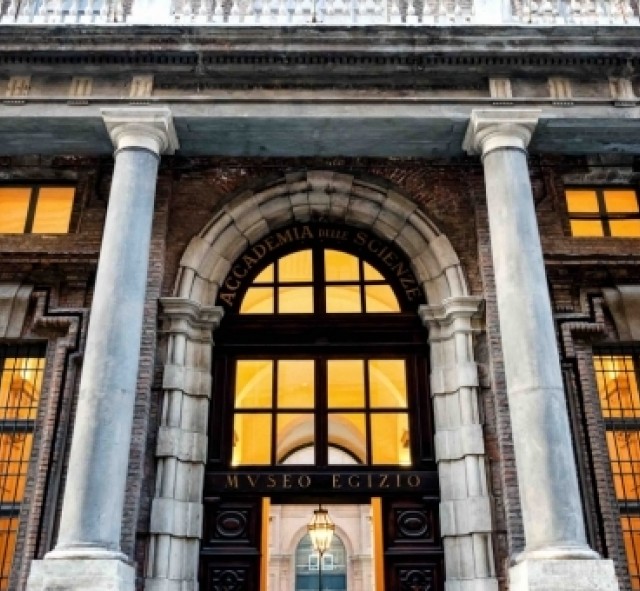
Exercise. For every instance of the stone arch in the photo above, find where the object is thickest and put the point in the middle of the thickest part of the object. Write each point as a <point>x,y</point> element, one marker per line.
<point>189,320</point>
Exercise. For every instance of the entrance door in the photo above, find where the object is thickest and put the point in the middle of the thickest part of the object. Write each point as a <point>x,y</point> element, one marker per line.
<point>320,361</point>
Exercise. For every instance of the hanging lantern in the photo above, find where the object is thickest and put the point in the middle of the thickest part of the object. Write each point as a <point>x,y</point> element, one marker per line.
<point>321,530</point>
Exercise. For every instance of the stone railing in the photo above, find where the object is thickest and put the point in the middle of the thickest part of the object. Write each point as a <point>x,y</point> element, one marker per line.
<point>321,12</point>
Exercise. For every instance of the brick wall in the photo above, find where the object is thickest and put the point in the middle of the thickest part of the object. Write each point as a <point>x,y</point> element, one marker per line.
<point>189,193</point>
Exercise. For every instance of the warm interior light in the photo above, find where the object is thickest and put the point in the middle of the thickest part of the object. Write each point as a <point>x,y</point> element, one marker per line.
<point>321,530</point>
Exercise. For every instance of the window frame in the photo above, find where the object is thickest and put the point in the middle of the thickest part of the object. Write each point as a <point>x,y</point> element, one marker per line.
<point>627,509</point>
<point>602,215</point>
<point>35,187</point>
<point>13,510</point>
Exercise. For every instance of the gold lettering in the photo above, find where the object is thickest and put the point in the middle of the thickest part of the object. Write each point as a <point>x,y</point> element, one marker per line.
<point>232,481</point>
<point>398,482</point>
<point>253,480</point>
<point>412,294</point>
<point>354,481</point>
<point>270,243</point>
<point>232,286</point>
<point>383,481</point>
<point>336,481</point>
<point>306,232</point>
<point>369,481</point>
<point>389,259</point>
<point>271,481</point>
<point>413,481</point>
<point>360,238</point>
<point>374,246</point>
<point>239,272</point>
<point>283,237</point>
<point>304,481</point>
<point>228,298</point>
<point>259,250</point>
<point>286,481</point>
<point>399,269</point>
<point>249,261</point>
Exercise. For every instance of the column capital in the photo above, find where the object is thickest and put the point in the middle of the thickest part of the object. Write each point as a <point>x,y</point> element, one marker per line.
<point>139,127</point>
<point>491,129</point>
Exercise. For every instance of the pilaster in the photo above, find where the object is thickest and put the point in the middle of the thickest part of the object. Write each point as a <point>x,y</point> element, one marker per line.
<point>465,507</point>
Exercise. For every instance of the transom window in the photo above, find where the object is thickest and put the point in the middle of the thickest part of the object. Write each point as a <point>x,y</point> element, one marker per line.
<point>22,370</point>
<point>604,211</point>
<point>290,285</point>
<point>617,380</point>
<point>36,209</point>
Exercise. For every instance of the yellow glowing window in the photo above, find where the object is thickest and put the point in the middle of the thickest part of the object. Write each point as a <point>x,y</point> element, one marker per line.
<point>344,284</point>
<point>616,379</point>
<point>35,209</point>
<point>603,212</point>
<point>21,373</point>
<point>357,405</point>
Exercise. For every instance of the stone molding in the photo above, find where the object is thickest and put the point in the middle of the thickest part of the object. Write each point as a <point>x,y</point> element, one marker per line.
<point>465,508</point>
<point>494,129</point>
<point>150,128</point>
<point>623,302</point>
<point>14,301</point>
<point>251,215</point>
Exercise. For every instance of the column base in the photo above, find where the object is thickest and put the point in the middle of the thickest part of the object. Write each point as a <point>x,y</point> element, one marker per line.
<point>81,574</point>
<point>563,575</point>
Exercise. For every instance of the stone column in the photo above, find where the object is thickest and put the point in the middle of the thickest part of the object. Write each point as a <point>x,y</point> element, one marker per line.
<point>556,555</point>
<point>87,554</point>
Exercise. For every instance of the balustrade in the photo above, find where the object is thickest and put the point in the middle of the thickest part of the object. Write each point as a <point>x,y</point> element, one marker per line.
<point>321,12</point>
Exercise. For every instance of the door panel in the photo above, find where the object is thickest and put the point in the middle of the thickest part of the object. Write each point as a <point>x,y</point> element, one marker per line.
<point>231,542</point>
<point>413,552</point>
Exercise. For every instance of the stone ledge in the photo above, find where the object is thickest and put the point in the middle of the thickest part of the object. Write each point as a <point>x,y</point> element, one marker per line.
<point>563,575</point>
<point>80,575</point>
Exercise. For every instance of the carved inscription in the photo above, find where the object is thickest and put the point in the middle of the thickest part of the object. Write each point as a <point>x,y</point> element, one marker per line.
<point>364,242</point>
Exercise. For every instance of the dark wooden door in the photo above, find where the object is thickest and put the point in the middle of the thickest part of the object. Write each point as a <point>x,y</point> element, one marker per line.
<point>230,549</point>
<point>413,552</point>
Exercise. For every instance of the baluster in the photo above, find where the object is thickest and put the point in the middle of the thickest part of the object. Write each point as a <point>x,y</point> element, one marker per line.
<point>205,13</point>
<point>429,10</point>
<point>119,12</point>
<point>24,12</point>
<point>12,12</point>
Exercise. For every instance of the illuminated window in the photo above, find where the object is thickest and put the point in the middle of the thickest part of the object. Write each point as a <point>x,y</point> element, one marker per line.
<point>603,212</point>
<point>35,209</point>
<point>359,406</point>
<point>325,280</point>
<point>616,376</point>
<point>22,369</point>
<point>323,357</point>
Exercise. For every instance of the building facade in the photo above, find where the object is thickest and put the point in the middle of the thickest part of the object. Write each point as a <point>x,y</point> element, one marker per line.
<point>378,256</point>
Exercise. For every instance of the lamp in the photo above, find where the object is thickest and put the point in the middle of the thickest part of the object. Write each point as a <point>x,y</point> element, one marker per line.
<point>321,531</point>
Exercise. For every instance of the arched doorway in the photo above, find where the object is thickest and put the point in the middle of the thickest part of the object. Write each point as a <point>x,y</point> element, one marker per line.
<point>190,320</point>
<point>320,371</point>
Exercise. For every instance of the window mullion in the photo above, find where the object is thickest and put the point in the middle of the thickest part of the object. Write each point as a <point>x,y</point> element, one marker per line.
<point>31,212</point>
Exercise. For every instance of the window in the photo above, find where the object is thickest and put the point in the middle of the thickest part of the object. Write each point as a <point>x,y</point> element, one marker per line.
<point>323,357</point>
<point>36,209</point>
<point>617,380</point>
<point>22,369</point>
<point>357,405</point>
<point>603,212</point>
<point>290,285</point>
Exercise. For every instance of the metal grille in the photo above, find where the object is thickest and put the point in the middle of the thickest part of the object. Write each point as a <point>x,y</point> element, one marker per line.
<point>22,369</point>
<point>617,380</point>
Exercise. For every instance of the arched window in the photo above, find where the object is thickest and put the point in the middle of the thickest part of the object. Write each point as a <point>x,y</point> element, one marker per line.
<point>334,566</point>
<point>321,355</point>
